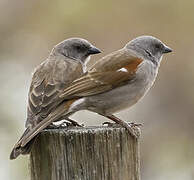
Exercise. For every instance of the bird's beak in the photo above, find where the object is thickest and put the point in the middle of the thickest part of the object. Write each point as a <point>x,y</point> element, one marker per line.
<point>94,50</point>
<point>167,49</point>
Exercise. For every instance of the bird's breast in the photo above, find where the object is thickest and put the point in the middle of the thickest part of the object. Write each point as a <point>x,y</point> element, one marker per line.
<point>126,95</point>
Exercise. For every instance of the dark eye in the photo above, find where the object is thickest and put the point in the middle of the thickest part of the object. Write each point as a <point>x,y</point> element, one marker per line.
<point>157,46</point>
<point>78,48</point>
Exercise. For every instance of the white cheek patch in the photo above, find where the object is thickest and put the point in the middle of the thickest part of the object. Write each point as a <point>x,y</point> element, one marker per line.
<point>87,59</point>
<point>85,64</point>
<point>160,59</point>
<point>123,70</point>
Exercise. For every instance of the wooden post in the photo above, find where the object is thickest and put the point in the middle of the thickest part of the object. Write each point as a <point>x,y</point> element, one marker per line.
<point>91,153</point>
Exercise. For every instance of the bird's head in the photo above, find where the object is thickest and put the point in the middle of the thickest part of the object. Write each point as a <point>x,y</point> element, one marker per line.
<point>76,48</point>
<point>150,48</point>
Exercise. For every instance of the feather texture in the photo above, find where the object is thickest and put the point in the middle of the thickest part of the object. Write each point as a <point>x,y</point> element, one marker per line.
<point>104,75</point>
<point>48,81</point>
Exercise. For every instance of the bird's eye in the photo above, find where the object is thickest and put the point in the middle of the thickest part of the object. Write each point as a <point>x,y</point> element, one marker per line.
<point>157,46</point>
<point>78,47</point>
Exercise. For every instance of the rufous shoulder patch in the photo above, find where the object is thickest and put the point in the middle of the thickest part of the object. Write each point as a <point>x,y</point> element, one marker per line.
<point>132,66</point>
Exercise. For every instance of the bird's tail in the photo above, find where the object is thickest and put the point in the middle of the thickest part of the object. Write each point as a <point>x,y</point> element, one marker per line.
<point>17,150</point>
<point>23,146</point>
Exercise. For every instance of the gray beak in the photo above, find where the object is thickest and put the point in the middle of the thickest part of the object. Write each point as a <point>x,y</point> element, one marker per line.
<point>167,49</point>
<point>93,50</point>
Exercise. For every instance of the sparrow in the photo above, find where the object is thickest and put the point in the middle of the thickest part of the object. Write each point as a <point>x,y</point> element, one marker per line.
<point>66,62</point>
<point>114,83</point>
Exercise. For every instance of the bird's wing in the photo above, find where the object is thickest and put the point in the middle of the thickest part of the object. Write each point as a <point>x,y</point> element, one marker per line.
<point>95,82</point>
<point>114,61</point>
<point>49,79</point>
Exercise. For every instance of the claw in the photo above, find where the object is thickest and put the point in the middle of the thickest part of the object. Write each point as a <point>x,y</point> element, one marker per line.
<point>131,127</point>
<point>109,124</point>
<point>135,124</point>
<point>74,123</point>
<point>62,125</point>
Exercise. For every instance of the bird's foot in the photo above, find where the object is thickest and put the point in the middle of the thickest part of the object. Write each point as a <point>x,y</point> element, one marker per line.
<point>133,124</point>
<point>133,128</point>
<point>74,123</point>
<point>110,124</point>
<point>58,126</point>
<point>64,124</point>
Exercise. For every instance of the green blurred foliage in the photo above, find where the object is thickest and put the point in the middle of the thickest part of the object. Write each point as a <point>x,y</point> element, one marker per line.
<point>29,30</point>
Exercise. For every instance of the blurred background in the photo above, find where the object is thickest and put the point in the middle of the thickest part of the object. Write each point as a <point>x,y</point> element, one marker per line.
<point>29,30</point>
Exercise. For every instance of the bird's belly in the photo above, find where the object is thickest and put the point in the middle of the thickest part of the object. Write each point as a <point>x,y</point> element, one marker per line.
<point>119,98</point>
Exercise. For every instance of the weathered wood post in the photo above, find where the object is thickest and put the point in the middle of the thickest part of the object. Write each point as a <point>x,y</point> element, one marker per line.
<point>92,153</point>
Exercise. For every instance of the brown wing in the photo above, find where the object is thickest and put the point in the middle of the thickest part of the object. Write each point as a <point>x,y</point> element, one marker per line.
<point>97,82</point>
<point>114,61</point>
<point>49,79</point>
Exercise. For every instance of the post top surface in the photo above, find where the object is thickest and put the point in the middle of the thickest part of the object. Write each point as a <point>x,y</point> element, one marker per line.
<point>87,129</point>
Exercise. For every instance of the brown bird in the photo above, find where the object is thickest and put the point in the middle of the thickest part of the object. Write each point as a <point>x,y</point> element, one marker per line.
<point>115,82</point>
<point>65,63</point>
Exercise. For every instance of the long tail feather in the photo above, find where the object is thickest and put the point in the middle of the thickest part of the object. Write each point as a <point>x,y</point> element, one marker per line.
<point>17,150</point>
<point>23,146</point>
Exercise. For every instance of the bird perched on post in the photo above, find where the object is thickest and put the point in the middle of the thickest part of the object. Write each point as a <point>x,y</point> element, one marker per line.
<point>65,63</point>
<point>115,82</point>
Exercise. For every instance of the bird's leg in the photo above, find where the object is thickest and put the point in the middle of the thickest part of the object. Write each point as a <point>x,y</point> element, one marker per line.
<point>116,124</point>
<point>73,123</point>
<point>131,127</point>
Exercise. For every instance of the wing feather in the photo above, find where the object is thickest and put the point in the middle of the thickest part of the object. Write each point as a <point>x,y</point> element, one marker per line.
<point>97,82</point>
<point>48,81</point>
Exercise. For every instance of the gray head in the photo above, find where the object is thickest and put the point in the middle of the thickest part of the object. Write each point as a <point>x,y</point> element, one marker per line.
<point>75,48</point>
<point>149,47</point>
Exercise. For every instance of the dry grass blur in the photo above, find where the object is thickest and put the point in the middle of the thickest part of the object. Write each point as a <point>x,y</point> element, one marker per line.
<point>29,29</point>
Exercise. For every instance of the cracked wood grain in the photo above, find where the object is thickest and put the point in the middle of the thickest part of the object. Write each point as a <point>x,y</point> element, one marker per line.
<point>91,153</point>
